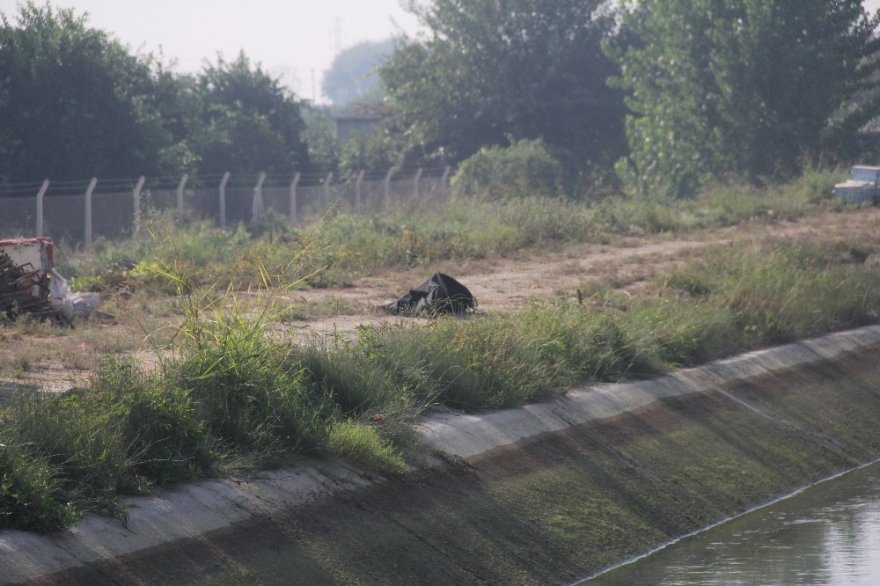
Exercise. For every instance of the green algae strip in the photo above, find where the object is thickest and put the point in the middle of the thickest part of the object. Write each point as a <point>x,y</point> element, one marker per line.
<point>559,507</point>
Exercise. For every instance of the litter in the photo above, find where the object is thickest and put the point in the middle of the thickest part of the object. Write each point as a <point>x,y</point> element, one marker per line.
<point>439,294</point>
<point>30,285</point>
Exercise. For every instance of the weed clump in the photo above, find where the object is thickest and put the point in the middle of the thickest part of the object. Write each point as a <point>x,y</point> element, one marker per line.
<point>29,493</point>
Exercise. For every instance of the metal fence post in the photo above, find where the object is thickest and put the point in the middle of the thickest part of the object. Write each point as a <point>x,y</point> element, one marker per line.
<point>222,202</point>
<point>40,195</point>
<point>416,181</point>
<point>327,181</point>
<point>388,175</point>
<point>88,227</point>
<point>258,207</point>
<point>291,213</point>
<point>180,187</point>
<point>357,190</point>
<point>136,196</point>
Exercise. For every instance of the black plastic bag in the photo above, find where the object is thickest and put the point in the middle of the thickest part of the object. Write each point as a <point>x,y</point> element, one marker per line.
<point>439,294</point>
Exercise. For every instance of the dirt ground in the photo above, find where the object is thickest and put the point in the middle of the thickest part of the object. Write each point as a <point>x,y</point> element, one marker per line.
<point>58,359</point>
<point>507,284</point>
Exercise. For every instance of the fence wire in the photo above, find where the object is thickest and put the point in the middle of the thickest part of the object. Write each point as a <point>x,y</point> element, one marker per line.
<point>297,199</point>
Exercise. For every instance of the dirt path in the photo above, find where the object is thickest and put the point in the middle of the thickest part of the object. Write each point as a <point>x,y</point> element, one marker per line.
<point>505,285</point>
<point>58,360</point>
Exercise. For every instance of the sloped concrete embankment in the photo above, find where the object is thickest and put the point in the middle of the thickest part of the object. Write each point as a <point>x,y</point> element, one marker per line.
<point>544,494</point>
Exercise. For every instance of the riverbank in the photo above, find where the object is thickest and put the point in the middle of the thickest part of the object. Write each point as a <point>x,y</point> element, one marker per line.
<point>548,493</point>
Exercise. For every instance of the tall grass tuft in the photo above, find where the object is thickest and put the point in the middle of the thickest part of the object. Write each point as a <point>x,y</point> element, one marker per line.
<point>243,386</point>
<point>29,493</point>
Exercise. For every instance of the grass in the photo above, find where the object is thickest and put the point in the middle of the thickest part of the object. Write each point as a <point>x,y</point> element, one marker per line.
<point>341,246</point>
<point>230,389</point>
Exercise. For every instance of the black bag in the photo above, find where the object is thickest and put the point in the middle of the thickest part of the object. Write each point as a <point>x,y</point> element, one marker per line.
<point>439,294</point>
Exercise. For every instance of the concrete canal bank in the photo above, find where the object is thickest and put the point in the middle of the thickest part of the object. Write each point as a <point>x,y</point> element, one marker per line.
<point>549,493</point>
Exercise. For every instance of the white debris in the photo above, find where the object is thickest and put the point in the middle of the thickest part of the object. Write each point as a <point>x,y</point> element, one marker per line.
<point>68,304</point>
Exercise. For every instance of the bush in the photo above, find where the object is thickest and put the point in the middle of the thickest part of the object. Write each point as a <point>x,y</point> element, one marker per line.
<point>242,385</point>
<point>524,169</point>
<point>28,494</point>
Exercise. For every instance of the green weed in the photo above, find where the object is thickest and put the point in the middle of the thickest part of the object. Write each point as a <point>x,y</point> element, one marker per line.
<point>363,445</point>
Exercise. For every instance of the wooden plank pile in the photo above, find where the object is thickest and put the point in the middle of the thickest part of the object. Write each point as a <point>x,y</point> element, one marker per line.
<point>23,290</point>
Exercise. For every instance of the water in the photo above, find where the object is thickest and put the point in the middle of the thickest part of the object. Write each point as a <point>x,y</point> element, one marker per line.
<point>828,534</point>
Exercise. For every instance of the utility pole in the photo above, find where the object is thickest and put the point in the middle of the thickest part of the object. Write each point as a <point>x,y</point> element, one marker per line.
<point>337,35</point>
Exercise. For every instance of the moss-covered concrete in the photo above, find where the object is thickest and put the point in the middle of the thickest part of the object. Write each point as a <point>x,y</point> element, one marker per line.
<point>556,507</point>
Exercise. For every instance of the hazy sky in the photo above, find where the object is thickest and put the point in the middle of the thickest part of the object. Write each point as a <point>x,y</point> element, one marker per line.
<point>293,39</point>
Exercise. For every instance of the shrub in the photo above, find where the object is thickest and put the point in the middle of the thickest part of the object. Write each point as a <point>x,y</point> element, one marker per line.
<point>242,385</point>
<point>28,493</point>
<point>524,169</point>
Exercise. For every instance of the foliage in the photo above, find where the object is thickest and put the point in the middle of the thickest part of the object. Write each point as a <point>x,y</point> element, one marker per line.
<point>522,169</point>
<point>165,257</point>
<point>353,75</point>
<point>723,87</point>
<point>368,152</point>
<point>488,69</point>
<point>321,139</point>
<point>362,444</point>
<point>28,497</point>
<point>248,121</point>
<point>74,102</point>
<point>241,384</point>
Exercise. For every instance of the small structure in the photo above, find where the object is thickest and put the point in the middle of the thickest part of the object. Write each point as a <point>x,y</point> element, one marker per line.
<point>349,126</point>
<point>30,285</point>
<point>862,186</point>
<point>25,273</point>
<point>358,120</point>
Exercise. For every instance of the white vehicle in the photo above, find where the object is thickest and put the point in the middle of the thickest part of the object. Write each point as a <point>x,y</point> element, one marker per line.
<point>862,186</point>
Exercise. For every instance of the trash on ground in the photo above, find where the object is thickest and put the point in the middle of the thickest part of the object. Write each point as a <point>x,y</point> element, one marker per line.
<point>30,285</point>
<point>69,305</point>
<point>439,294</point>
<point>25,266</point>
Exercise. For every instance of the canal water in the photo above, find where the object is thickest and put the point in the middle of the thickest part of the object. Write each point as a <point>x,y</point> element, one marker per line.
<point>828,534</point>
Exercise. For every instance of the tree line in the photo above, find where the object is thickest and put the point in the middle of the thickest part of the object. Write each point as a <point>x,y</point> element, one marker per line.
<point>667,93</point>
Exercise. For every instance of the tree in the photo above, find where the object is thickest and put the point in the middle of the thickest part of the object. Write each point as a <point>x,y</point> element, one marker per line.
<point>743,87</point>
<point>73,102</point>
<point>249,122</point>
<point>353,76</point>
<point>495,70</point>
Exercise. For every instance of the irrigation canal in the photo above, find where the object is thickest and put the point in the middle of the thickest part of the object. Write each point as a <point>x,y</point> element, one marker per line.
<point>828,534</point>
<point>545,494</point>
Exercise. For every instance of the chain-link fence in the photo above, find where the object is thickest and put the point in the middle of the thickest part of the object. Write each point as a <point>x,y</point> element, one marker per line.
<point>78,212</point>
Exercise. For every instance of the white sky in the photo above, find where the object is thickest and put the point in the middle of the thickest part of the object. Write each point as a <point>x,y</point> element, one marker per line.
<point>292,39</point>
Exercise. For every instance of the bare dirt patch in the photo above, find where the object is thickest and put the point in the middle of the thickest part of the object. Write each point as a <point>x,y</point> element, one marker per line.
<point>507,284</point>
<point>60,359</point>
